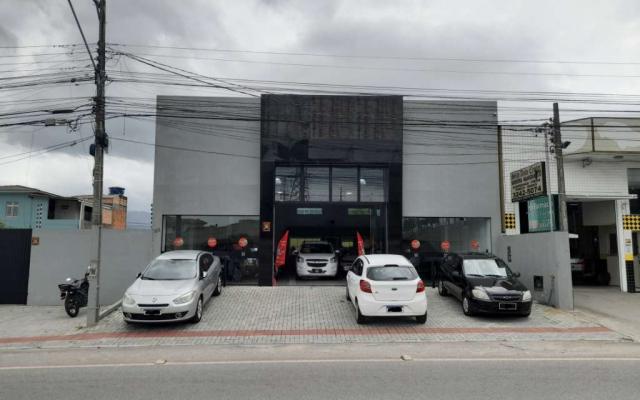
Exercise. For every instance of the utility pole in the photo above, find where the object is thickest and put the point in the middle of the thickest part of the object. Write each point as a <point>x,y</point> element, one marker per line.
<point>558,145</point>
<point>547,177</point>
<point>93,314</point>
<point>501,179</point>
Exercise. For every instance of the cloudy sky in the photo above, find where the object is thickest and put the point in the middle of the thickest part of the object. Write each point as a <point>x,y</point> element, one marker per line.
<point>515,47</point>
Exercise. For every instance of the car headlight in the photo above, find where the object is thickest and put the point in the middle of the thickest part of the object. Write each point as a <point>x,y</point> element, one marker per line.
<point>128,300</point>
<point>526,295</point>
<point>480,294</point>
<point>333,259</point>
<point>185,298</point>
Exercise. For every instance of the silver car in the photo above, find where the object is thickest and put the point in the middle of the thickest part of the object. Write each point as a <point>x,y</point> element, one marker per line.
<point>174,287</point>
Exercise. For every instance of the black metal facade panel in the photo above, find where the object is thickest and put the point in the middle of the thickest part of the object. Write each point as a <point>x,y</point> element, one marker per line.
<point>329,130</point>
<point>15,253</point>
<point>332,129</point>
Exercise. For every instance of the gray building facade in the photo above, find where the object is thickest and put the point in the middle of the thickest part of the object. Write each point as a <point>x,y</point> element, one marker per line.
<point>237,175</point>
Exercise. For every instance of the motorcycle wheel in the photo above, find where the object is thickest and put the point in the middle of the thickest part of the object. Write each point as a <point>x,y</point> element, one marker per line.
<point>71,306</point>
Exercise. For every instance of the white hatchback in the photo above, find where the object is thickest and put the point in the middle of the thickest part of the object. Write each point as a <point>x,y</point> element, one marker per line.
<point>386,285</point>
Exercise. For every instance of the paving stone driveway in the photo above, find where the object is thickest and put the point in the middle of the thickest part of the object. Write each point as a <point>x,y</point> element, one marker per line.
<point>311,314</point>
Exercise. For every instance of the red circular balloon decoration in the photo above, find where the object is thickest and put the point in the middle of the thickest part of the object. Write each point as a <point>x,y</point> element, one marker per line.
<point>445,245</point>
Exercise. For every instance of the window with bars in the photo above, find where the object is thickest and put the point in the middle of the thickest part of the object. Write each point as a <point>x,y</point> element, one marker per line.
<point>12,208</point>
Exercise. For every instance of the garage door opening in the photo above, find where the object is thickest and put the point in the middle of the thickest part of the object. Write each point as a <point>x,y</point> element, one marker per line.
<point>593,243</point>
<point>330,230</point>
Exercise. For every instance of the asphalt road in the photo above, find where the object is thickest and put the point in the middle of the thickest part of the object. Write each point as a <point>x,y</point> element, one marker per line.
<point>330,379</point>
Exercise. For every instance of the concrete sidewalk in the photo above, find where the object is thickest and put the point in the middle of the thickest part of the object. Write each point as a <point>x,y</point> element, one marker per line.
<point>292,315</point>
<point>615,309</point>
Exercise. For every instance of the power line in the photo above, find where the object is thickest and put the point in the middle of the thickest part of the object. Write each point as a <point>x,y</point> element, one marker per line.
<point>372,68</point>
<point>309,54</point>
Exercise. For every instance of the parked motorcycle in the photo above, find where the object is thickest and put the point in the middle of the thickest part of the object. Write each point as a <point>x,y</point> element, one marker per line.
<point>75,293</point>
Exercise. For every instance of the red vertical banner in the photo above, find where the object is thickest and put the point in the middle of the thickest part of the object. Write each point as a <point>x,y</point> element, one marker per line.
<point>281,252</point>
<point>360,244</point>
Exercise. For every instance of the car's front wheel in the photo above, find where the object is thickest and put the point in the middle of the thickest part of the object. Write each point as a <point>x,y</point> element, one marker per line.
<point>442,291</point>
<point>466,306</point>
<point>197,317</point>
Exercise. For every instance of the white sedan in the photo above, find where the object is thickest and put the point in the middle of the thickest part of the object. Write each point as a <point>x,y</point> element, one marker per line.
<point>174,287</point>
<point>386,285</point>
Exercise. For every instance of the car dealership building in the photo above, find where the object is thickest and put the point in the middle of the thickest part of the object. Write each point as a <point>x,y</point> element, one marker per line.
<point>235,174</point>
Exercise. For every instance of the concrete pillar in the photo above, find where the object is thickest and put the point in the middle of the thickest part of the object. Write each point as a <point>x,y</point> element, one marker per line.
<point>625,244</point>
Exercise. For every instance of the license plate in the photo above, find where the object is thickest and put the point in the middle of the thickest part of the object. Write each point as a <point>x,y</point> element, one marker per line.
<point>151,312</point>
<point>317,271</point>
<point>508,306</point>
<point>394,308</point>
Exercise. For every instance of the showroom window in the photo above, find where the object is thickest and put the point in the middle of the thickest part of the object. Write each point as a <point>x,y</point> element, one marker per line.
<point>233,237</point>
<point>335,184</point>
<point>344,184</point>
<point>316,184</point>
<point>372,185</point>
<point>459,231</point>
<point>288,183</point>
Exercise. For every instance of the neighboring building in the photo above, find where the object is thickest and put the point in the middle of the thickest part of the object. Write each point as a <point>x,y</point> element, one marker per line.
<point>28,208</point>
<point>236,174</point>
<point>602,180</point>
<point>114,208</point>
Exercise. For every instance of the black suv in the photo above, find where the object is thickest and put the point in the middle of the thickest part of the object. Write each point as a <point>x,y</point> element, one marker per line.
<point>484,284</point>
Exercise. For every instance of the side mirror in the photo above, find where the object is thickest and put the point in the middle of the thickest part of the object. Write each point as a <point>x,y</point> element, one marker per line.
<point>295,252</point>
<point>139,275</point>
<point>516,274</point>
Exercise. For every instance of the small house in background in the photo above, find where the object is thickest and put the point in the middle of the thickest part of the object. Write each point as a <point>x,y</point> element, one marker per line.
<point>114,208</point>
<point>23,207</point>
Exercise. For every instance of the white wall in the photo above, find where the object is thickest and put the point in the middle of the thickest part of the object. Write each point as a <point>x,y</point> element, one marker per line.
<point>544,254</point>
<point>222,177</point>
<point>444,174</point>
<point>67,253</point>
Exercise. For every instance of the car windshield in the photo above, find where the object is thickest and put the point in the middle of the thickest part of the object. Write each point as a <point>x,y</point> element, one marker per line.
<point>312,248</point>
<point>486,267</point>
<point>392,273</point>
<point>170,270</point>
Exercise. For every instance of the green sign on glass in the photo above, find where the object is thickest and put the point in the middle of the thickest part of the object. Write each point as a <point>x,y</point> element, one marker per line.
<point>540,214</point>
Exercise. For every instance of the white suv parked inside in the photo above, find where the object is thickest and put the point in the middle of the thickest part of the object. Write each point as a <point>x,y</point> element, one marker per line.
<point>386,285</point>
<point>316,259</point>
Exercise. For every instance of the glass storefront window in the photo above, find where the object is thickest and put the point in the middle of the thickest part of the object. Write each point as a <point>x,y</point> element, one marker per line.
<point>287,183</point>
<point>330,184</point>
<point>220,234</point>
<point>460,232</point>
<point>372,185</point>
<point>344,184</point>
<point>316,184</point>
